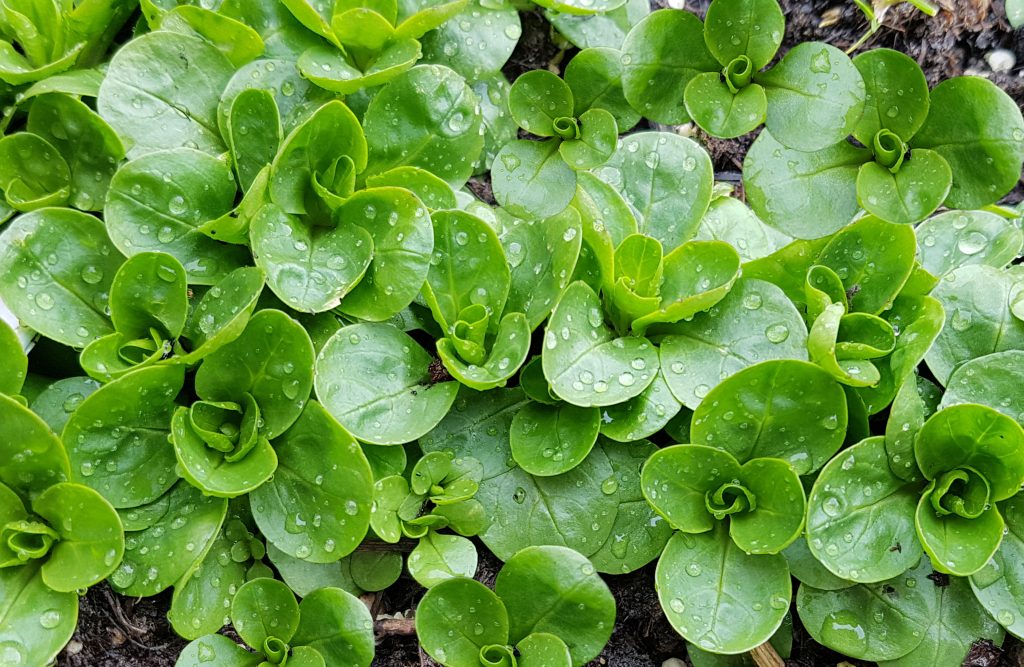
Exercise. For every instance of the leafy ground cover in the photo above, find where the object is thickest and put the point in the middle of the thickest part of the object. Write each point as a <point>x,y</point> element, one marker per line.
<point>349,377</point>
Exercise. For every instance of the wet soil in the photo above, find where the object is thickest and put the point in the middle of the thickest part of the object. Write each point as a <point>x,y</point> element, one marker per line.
<point>122,632</point>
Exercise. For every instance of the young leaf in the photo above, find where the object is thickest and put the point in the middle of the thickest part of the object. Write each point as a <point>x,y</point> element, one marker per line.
<point>435,618</point>
<point>264,609</point>
<point>551,439</point>
<point>438,557</point>
<point>338,626</point>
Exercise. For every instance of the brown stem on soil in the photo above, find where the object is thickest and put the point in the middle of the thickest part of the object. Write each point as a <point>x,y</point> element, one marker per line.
<point>402,546</point>
<point>405,627</point>
<point>765,656</point>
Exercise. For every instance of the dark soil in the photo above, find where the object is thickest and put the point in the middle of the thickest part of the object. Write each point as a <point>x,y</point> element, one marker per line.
<point>123,632</point>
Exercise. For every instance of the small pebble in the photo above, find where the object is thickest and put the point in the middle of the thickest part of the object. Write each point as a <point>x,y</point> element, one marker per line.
<point>1001,60</point>
<point>676,4</point>
<point>673,662</point>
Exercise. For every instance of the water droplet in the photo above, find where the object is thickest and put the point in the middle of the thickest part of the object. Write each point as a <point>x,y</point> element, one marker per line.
<point>49,619</point>
<point>777,333</point>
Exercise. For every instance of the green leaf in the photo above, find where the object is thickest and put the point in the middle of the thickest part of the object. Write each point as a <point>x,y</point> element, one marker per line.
<point>593,367</point>
<point>790,410</point>
<point>739,600</point>
<point>556,590</point>
<point>455,43</point>
<point>856,255</point>
<point>886,71</point>
<point>643,415</point>
<point>34,174</point>
<point>976,128</point>
<point>598,135</point>
<point>857,496</point>
<point>538,99</point>
<point>531,178</point>
<point>552,439</point>
<point>38,620</point>
<point>594,76</point>
<point>542,649</point>
<point>806,195</point>
<point>304,577</point>
<point>438,557</point>
<point>958,238</point>
<point>660,55</point>
<point>916,400</point>
<point>808,570</point>
<point>402,123</point>
<point>210,648</point>
<point>441,611</point>
<point>317,506</point>
<point>237,41</point>
<point>254,133</point>
<point>844,619</point>
<point>90,543</point>
<point>222,313</point>
<point>599,30</point>
<point>159,277</point>
<point>751,28</point>
<point>667,181</point>
<point>509,349</point>
<point>542,255</point>
<point>56,267</point>
<point>999,378</point>
<point>272,360</point>
<point>143,99</point>
<point>977,302</point>
<point>202,595</point>
<point>338,626</point>
<point>468,269</point>
<point>263,609</point>
<point>15,361</point>
<point>183,530</point>
<point>755,322</point>
<point>815,97</point>
<point>721,112</point>
<point>581,7</point>
<point>499,128</point>
<point>157,202</point>
<point>997,585</point>
<point>33,456</point>
<point>395,408</point>
<point>956,544</point>
<point>909,195</point>
<point>730,220</point>
<point>957,623</point>
<point>117,438</point>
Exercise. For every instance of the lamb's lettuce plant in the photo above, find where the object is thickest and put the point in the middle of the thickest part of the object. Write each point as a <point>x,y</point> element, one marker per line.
<point>959,145</point>
<point>548,607</point>
<point>676,68</point>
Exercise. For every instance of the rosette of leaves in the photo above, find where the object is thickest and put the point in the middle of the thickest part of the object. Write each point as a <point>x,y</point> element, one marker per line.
<point>677,69</point>
<point>548,607</point>
<point>438,494</point>
<point>737,501</point>
<point>865,523</point>
<point>961,145</point>
<point>328,627</point>
<point>538,178</point>
<point>649,287</point>
<point>370,43</point>
<point>866,303</point>
<point>56,538</point>
<point>467,289</point>
<point>38,39</point>
<point>66,153</point>
<point>250,392</point>
<point>920,617</point>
